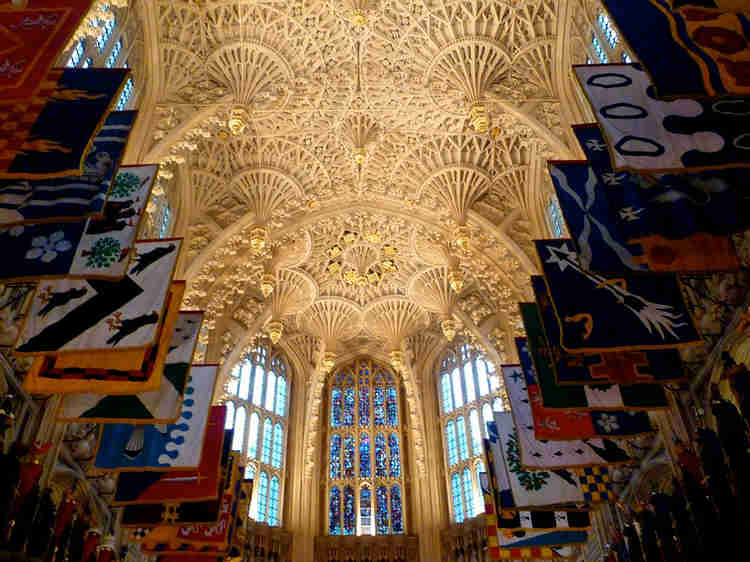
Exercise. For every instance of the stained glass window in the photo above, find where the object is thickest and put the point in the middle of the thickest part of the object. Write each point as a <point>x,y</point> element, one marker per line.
<point>476,433</point>
<point>78,50</point>
<point>478,498</point>
<point>380,469</point>
<point>334,512</point>
<point>469,383</point>
<point>609,30</point>
<point>381,505</point>
<point>391,405</point>
<point>497,405</point>
<point>458,506</point>
<point>554,215</point>
<point>626,58</point>
<point>265,452</point>
<point>278,442</point>
<point>463,449</point>
<point>397,525</point>
<point>599,48</point>
<point>336,407</point>
<point>349,517</point>
<point>450,437</point>
<point>348,417</point>
<point>365,510</point>
<point>88,63</point>
<point>252,446</point>
<point>270,390</point>
<point>245,374</point>
<point>393,446</point>
<point>127,93</point>
<point>466,381</point>
<point>229,423</point>
<point>262,496</point>
<point>348,456</point>
<point>250,472</point>
<point>458,395</point>
<point>368,397</point>
<point>379,404</point>
<point>468,493</point>
<point>106,30</point>
<point>281,396</point>
<point>239,429</point>
<point>364,455</point>
<point>335,460</point>
<point>445,385</point>
<point>273,502</point>
<point>114,54</point>
<point>487,417</point>
<point>263,443</point>
<point>364,405</point>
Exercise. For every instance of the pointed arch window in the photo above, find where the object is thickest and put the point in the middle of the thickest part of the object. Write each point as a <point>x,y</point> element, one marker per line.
<point>469,389</point>
<point>364,443</point>
<point>258,390</point>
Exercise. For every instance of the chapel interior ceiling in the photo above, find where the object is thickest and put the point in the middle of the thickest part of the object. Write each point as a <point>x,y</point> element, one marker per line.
<point>371,148</point>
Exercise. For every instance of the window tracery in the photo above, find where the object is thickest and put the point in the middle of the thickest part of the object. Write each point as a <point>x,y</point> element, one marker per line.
<point>469,390</point>
<point>256,409</point>
<point>364,451</point>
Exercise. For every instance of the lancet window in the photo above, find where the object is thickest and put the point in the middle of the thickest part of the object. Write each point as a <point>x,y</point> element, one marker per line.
<point>256,409</point>
<point>469,389</point>
<point>364,451</point>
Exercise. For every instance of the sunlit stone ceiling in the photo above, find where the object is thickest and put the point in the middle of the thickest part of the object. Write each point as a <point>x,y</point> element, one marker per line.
<point>354,157</point>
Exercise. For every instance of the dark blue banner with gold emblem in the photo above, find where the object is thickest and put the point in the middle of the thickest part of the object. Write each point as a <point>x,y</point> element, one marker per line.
<point>63,132</point>
<point>597,313</point>
<point>689,47</point>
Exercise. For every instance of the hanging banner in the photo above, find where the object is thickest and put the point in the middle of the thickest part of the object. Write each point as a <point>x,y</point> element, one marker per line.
<point>159,406</point>
<point>644,133</point>
<point>630,370</point>
<point>603,314</point>
<point>561,425</point>
<point>90,249</point>
<point>62,375</point>
<point>62,134</point>
<point>74,197</point>
<point>79,315</point>
<point>689,47</point>
<point>531,487</point>
<point>130,447</point>
<point>611,228</point>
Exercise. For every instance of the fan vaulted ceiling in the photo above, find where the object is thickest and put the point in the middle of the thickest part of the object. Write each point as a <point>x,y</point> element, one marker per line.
<point>358,134</point>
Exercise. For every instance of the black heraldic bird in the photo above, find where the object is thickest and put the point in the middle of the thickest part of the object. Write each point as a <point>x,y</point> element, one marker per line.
<point>130,325</point>
<point>145,260</point>
<point>61,299</point>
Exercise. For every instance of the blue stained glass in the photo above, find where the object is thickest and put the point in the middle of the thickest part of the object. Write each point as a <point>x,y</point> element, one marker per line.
<point>379,405</point>
<point>450,437</point>
<point>348,418</point>
<point>395,455</point>
<point>445,383</point>
<point>262,496</point>
<point>334,512</point>
<point>476,433</point>
<point>458,506</point>
<point>364,455</point>
<point>229,423</point>
<point>468,493</point>
<point>381,513</point>
<point>278,442</point>
<point>397,519</point>
<point>335,461</point>
<point>364,405</point>
<point>238,441</point>
<point>252,444</point>
<point>273,503</point>
<point>349,518</point>
<point>77,54</point>
<point>391,405</point>
<point>487,416</point>
<point>365,510</point>
<point>608,29</point>
<point>469,383</point>
<point>380,469</point>
<point>265,452</point>
<point>348,456</point>
<point>463,448</point>
<point>336,407</point>
<point>281,396</point>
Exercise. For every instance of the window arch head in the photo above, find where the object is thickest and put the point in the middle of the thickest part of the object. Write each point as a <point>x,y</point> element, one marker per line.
<point>365,437</point>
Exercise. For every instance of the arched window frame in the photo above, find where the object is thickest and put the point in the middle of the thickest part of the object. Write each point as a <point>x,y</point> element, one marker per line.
<point>270,452</point>
<point>461,454</point>
<point>365,378</point>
